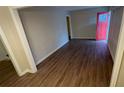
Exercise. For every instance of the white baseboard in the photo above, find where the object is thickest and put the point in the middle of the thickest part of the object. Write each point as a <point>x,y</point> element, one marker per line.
<point>38,62</point>
<point>83,38</point>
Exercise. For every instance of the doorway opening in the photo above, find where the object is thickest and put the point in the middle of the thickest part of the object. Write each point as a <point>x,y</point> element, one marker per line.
<point>6,67</point>
<point>103,24</point>
<point>68,27</point>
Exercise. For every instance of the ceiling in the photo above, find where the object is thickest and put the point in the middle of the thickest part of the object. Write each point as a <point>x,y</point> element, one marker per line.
<point>65,8</point>
<point>72,8</point>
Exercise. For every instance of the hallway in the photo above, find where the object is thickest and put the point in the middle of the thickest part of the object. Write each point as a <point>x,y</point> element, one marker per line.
<point>78,63</point>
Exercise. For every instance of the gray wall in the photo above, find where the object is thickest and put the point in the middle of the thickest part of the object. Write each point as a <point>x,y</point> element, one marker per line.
<point>84,22</point>
<point>3,52</point>
<point>115,24</point>
<point>46,30</point>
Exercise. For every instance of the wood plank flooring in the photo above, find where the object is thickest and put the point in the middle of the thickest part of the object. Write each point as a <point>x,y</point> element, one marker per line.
<point>79,63</point>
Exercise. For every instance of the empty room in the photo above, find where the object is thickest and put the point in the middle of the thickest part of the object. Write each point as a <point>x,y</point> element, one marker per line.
<point>62,46</point>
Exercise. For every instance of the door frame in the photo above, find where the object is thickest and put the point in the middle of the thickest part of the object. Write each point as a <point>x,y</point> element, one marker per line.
<point>69,24</point>
<point>118,55</point>
<point>9,51</point>
<point>20,30</point>
<point>22,35</point>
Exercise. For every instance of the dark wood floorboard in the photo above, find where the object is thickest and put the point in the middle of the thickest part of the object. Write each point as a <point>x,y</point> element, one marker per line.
<point>85,63</point>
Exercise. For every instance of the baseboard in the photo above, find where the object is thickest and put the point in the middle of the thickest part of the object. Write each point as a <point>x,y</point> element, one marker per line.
<point>38,62</point>
<point>85,38</point>
<point>6,58</point>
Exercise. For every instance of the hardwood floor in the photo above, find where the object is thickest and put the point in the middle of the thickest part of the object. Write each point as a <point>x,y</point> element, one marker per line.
<point>6,70</point>
<point>78,63</point>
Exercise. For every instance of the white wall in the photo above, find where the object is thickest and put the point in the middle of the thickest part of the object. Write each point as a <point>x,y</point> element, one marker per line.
<point>46,30</point>
<point>115,24</point>
<point>120,81</point>
<point>3,52</point>
<point>84,22</point>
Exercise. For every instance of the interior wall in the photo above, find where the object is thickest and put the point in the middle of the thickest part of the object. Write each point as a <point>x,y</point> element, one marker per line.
<point>46,30</point>
<point>3,52</point>
<point>9,29</point>
<point>84,22</point>
<point>115,24</point>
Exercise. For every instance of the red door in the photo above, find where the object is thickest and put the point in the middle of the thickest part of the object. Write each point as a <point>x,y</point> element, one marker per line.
<point>102,25</point>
